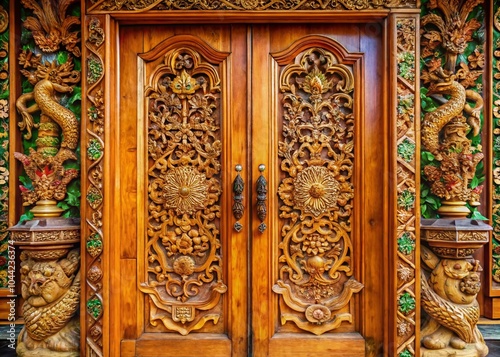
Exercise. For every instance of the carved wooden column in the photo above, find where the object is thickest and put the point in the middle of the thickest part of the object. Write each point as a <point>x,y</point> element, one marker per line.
<point>450,284</point>
<point>47,114</point>
<point>452,176</point>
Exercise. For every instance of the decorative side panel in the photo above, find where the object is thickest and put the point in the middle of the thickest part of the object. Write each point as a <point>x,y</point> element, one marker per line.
<point>317,156</point>
<point>248,5</point>
<point>4,147</point>
<point>183,250</point>
<point>496,149</point>
<point>406,168</point>
<point>92,227</point>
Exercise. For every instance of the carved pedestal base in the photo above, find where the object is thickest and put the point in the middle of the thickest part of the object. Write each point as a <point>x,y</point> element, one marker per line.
<point>68,337</point>
<point>442,341</point>
<point>450,284</point>
<point>468,351</point>
<point>50,278</point>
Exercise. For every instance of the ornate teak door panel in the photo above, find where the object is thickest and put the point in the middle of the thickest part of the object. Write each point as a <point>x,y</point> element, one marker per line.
<point>250,170</point>
<point>317,126</point>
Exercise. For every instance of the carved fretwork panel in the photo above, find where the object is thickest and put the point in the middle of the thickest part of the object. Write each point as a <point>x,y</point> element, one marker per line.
<point>183,251</point>
<point>316,272</point>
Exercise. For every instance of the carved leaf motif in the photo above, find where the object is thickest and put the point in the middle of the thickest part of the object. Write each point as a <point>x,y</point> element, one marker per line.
<point>52,27</point>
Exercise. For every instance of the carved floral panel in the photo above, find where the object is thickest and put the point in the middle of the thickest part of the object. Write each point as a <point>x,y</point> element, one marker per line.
<point>4,144</point>
<point>316,279</point>
<point>184,266</point>
<point>407,220</point>
<point>247,5</point>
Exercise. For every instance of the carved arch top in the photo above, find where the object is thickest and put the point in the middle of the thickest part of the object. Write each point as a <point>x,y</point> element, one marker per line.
<point>338,52</point>
<point>189,41</point>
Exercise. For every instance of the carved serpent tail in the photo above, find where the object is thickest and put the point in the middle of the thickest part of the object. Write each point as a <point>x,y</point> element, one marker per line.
<point>459,319</point>
<point>65,118</point>
<point>436,120</point>
<point>43,322</point>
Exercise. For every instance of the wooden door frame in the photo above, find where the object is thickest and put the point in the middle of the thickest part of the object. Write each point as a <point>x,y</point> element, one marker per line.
<point>100,102</point>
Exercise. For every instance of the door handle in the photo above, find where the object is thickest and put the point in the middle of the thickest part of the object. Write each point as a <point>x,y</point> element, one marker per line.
<point>238,208</point>
<point>262,198</point>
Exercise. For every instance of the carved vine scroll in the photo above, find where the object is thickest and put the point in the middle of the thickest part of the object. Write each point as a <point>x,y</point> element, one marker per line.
<point>184,264</point>
<point>93,189</point>
<point>407,220</point>
<point>316,279</point>
<point>248,5</point>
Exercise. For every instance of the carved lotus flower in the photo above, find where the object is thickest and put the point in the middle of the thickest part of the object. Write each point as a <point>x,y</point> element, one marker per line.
<point>184,84</point>
<point>316,190</point>
<point>316,83</point>
<point>185,190</point>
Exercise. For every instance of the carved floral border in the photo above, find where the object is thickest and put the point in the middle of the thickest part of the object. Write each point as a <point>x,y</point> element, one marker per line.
<point>92,227</point>
<point>496,146</point>
<point>4,141</point>
<point>406,169</point>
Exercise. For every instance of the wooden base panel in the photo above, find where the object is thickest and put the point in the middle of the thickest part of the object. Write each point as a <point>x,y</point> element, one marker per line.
<point>4,308</point>
<point>156,345</point>
<point>491,307</point>
<point>342,345</point>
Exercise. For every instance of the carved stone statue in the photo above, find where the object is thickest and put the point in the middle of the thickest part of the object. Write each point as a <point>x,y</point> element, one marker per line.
<point>450,284</point>
<point>51,289</point>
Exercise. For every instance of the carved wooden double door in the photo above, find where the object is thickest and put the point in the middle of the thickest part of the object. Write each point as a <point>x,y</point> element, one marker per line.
<point>250,164</point>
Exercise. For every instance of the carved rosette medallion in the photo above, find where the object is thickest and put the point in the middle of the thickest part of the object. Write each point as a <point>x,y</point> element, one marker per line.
<point>316,279</point>
<point>184,267</point>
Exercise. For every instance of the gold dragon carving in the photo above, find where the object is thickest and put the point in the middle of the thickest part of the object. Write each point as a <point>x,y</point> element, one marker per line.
<point>44,166</point>
<point>183,248</point>
<point>51,28</point>
<point>316,277</point>
<point>50,272</point>
<point>449,277</point>
<point>445,130</point>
